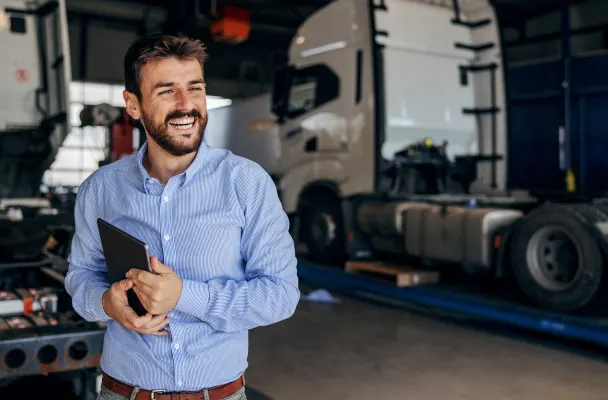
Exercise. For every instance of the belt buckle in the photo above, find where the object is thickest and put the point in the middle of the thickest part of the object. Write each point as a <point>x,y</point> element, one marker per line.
<point>153,393</point>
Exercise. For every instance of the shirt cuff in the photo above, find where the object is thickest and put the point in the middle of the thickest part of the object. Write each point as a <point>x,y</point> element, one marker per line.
<point>194,298</point>
<point>98,311</point>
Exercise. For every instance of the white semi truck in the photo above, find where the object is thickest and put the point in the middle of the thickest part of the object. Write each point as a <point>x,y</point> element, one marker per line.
<point>370,86</point>
<point>247,128</point>
<point>366,79</point>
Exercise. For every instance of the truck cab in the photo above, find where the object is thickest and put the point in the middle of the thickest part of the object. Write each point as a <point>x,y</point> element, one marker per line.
<point>366,79</point>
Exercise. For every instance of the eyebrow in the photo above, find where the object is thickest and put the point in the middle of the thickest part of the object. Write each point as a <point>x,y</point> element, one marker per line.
<point>171,84</point>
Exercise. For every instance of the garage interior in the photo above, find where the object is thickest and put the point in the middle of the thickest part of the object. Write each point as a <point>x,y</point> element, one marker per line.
<point>463,259</point>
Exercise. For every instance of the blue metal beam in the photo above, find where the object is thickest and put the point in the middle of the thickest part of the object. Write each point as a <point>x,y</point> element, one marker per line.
<point>585,329</point>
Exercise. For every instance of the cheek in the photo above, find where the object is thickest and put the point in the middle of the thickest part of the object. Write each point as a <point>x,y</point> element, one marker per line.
<point>202,103</point>
<point>158,114</point>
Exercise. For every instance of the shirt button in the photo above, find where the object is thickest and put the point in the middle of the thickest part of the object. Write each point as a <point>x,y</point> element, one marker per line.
<point>179,383</point>
<point>177,345</point>
<point>166,198</point>
<point>167,237</point>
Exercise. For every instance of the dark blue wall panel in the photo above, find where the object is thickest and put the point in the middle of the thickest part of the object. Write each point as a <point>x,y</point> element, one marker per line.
<point>593,167</point>
<point>590,73</point>
<point>537,79</point>
<point>535,104</point>
<point>536,112</point>
<point>533,150</point>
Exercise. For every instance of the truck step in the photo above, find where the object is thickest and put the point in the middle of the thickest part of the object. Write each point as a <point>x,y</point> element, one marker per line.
<point>476,48</point>
<point>380,6</point>
<point>472,24</point>
<point>399,275</point>
<point>481,111</point>
<point>479,67</point>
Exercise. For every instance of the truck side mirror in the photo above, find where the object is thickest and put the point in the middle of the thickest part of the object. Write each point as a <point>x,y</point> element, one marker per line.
<point>280,91</point>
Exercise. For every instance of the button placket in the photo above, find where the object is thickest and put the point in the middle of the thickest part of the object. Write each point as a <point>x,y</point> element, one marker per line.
<point>165,216</point>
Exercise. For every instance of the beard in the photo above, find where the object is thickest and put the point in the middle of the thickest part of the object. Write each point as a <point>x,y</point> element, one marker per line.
<point>160,133</point>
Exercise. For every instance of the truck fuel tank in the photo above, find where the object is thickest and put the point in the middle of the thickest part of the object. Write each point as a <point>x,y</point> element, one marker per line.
<point>383,224</point>
<point>454,234</point>
<point>430,230</point>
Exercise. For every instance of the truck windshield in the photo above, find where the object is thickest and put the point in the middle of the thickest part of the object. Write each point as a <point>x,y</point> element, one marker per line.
<point>299,91</point>
<point>302,95</point>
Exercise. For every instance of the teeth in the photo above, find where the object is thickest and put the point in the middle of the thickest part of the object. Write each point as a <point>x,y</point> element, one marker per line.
<point>183,120</point>
<point>182,123</point>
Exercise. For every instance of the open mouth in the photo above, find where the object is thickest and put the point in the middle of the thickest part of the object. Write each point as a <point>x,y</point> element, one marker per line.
<point>182,123</point>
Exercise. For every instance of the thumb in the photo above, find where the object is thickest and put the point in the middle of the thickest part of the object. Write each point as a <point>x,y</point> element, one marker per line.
<point>159,267</point>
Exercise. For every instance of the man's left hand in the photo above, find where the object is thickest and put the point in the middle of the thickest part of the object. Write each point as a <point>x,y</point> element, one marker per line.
<point>160,292</point>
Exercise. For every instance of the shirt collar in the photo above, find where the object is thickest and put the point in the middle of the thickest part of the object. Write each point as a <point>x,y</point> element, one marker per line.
<point>185,177</point>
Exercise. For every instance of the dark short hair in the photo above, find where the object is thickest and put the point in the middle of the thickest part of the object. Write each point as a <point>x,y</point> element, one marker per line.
<point>155,47</point>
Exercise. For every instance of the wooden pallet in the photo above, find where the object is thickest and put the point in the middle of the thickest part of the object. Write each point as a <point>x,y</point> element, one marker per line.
<point>400,275</point>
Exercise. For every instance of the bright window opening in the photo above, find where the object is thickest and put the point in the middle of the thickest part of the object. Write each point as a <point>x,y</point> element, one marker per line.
<point>84,147</point>
<point>217,102</point>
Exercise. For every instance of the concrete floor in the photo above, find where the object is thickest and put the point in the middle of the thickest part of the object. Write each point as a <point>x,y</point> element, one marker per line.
<point>359,350</point>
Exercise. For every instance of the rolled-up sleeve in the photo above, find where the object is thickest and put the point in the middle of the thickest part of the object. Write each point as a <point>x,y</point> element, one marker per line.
<point>270,291</point>
<point>86,279</point>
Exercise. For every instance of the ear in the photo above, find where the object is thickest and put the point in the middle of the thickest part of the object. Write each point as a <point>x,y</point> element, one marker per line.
<point>132,104</point>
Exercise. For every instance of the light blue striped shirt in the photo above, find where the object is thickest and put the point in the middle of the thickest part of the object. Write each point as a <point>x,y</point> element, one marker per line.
<point>221,227</point>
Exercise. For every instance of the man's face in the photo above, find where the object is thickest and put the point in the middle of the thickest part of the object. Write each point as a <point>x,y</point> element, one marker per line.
<point>173,107</point>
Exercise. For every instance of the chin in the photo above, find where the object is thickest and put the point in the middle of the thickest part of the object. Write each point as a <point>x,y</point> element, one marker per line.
<point>186,145</point>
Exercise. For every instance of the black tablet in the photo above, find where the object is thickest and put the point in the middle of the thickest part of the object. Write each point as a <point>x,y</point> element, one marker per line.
<point>122,253</point>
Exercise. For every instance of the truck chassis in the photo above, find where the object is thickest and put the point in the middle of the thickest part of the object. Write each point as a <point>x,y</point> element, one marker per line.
<point>553,251</point>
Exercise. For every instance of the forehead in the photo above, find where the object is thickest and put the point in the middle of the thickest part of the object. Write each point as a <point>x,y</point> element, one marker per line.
<point>169,70</point>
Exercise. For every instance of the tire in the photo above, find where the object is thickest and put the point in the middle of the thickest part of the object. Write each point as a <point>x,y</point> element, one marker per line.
<point>556,260</point>
<point>323,228</point>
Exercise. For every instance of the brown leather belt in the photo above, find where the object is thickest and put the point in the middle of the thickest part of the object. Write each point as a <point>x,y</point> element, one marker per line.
<point>215,393</point>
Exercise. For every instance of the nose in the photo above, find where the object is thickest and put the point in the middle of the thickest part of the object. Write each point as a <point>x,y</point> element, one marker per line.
<point>183,100</point>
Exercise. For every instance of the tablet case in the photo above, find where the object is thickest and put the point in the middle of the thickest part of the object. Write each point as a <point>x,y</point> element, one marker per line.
<point>122,253</point>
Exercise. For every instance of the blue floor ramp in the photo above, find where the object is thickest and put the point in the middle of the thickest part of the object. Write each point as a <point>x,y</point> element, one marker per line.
<point>452,299</point>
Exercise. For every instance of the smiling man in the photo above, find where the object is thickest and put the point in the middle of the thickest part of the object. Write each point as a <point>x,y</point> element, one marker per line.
<point>223,260</point>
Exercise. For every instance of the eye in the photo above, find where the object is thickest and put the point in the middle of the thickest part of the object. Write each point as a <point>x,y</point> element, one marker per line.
<point>165,92</point>
<point>196,89</point>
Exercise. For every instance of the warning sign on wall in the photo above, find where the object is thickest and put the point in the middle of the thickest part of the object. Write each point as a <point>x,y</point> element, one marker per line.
<point>22,75</point>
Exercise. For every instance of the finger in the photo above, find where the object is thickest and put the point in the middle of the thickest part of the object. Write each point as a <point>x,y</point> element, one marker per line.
<point>145,293</point>
<point>141,277</point>
<point>142,321</point>
<point>159,325</point>
<point>159,267</point>
<point>156,320</point>
<point>123,286</point>
<point>159,333</point>
<point>133,319</point>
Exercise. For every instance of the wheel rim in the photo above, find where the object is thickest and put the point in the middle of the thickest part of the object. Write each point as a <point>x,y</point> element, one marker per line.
<point>554,258</point>
<point>323,230</point>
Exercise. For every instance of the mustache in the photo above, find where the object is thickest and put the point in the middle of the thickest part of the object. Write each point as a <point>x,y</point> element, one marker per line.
<point>180,114</point>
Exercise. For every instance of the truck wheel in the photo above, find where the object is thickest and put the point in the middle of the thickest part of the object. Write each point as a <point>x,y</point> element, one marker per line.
<point>556,260</point>
<point>322,229</point>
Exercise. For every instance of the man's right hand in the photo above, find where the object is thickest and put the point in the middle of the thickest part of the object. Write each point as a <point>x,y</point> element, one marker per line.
<point>116,305</point>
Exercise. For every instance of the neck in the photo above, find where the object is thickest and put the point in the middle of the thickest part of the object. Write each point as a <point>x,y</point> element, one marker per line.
<point>162,165</point>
